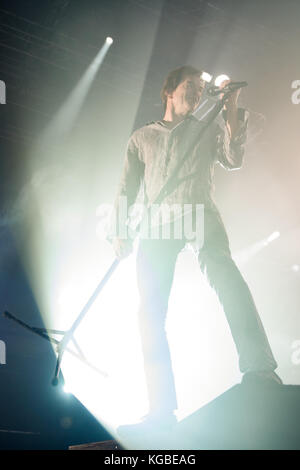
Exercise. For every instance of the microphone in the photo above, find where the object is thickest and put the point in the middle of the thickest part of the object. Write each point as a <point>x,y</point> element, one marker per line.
<point>232,86</point>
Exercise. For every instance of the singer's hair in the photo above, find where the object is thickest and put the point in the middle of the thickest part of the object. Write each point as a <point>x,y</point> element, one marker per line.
<point>174,78</point>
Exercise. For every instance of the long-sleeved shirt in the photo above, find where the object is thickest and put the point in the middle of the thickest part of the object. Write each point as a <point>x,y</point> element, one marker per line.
<point>154,150</point>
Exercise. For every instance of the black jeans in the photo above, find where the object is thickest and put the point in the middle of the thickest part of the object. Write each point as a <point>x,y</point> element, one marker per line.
<point>156,261</point>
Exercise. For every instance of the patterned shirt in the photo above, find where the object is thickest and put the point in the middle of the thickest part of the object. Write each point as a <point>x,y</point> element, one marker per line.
<point>154,150</point>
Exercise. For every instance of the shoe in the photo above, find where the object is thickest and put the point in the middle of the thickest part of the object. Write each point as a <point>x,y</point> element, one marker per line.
<point>264,377</point>
<point>150,425</point>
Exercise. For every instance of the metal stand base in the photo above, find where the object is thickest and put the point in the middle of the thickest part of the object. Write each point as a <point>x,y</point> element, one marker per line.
<point>67,336</point>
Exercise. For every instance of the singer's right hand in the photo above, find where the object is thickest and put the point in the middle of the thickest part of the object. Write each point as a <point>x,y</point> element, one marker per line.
<point>122,247</point>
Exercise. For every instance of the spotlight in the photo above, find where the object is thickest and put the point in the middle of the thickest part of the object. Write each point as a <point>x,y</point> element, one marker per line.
<point>295,268</point>
<point>66,389</point>
<point>246,254</point>
<point>109,40</point>
<point>220,79</point>
<point>206,77</point>
<point>273,236</point>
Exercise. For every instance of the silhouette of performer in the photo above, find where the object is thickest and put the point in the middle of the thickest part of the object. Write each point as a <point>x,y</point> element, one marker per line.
<point>152,153</point>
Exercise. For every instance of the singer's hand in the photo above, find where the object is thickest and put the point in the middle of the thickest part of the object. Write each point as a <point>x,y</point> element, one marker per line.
<point>122,248</point>
<point>231,101</point>
<point>230,107</point>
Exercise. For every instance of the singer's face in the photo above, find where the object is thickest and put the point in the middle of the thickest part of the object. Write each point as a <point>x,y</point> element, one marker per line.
<point>186,97</point>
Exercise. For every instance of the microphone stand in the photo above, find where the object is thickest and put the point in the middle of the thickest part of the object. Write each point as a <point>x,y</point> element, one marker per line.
<point>67,336</point>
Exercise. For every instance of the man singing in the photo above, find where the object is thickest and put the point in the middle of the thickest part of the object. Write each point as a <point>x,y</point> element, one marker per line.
<point>152,154</point>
